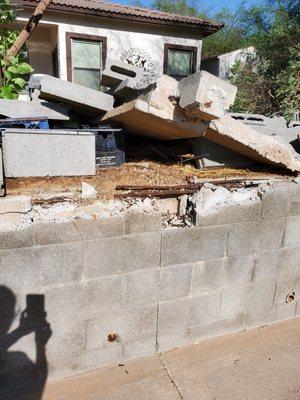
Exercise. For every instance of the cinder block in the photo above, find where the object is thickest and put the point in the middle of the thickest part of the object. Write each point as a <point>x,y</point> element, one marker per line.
<point>203,95</point>
<point>176,316</point>
<point>195,244</point>
<point>255,301</point>
<point>121,254</point>
<point>277,201</point>
<point>78,97</point>
<point>175,282</point>
<point>15,267</point>
<point>255,236</point>
<point>16,238</point>
<point>115,72</point>
<point>261,309</point>
<point>78,230</point>
<point>57,264</point>
<point>265,265</point>
<point>290,285</point>
<point>90,360</point>
<point>144,347</point>
<point>217,328</point>
<point>64,347</point>
<point>289,262</point>
<point>83,300</point>
<point>221,274</point>
<point>31,152</point>
<point>130,324</point>
<point>235,301</point>
<point>138,222</point>
<point>292,232</point>
<point>141,287</point>
<point>230,213</point>
<point>285,311</point>
<point>43,266</point>
<point>295,207</point>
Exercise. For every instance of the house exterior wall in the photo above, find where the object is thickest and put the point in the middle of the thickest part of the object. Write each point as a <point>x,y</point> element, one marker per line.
<point>221,65</point>
<point>121,36</point>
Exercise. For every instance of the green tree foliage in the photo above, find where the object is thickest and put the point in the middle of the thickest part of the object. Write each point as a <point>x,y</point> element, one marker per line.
<point>274,31</point>
<point>270,84</point>
<point>14,69</point>
<point>183,7</point>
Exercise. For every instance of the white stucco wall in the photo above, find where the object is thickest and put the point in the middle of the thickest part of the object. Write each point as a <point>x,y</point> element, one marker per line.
<point>221,65</point>
<point>121,36</point>
<point>227,61</point>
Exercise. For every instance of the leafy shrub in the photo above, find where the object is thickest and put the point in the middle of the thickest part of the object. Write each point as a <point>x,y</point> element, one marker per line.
<point>13,70</point>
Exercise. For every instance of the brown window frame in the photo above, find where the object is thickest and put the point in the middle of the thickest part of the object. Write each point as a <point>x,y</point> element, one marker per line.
<point>192,49</point>
<point>92,38</point>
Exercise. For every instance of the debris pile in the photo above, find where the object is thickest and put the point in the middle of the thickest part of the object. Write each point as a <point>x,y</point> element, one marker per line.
<point>74,129</point>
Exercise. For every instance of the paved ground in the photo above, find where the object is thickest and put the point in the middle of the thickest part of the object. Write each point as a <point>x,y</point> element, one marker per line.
<point>263,364</point>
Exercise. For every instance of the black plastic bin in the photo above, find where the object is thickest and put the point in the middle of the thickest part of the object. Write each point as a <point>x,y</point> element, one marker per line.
<point>110,147</point>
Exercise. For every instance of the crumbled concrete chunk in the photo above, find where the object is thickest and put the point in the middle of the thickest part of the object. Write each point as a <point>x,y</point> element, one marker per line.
<point>88,191</point>
<point>156,114</point>
<point>205,96</point>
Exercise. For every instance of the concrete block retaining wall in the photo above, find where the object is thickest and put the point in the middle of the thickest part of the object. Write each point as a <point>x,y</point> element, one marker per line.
<point>155,289</point>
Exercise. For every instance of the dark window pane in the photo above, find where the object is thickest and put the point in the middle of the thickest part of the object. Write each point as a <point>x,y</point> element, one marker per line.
<point>179,63</point>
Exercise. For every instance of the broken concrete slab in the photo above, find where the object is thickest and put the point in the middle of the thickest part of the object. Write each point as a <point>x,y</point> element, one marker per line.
<point>139,118</point>
<point>80,98</point>
<point>246,141</point>
<point>205,96</point>
<point>34,109</point>
<point>115,72</point>
<point>31,152</point>
<point>156,114</point>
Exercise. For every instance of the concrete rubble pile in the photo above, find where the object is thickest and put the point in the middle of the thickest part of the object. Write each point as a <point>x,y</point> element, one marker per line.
<point>196,107</point>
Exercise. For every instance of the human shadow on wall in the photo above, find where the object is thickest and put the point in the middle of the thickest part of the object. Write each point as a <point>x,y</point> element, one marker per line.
<point>17,371</point>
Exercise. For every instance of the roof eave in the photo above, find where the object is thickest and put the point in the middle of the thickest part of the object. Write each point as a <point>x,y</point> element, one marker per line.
<point>206,28</point>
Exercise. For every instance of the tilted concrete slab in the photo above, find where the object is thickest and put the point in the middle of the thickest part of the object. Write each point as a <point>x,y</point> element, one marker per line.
<point>244,140</point>
<point>80,98</point>
<point>32,152</point>
<point>34,109</point>
<point>156,114</point>
<point>139,118</point>
<point>205,96</point>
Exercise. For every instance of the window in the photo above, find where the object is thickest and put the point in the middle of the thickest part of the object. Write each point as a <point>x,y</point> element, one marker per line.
<point>85,58</point>
<point>180,61</point>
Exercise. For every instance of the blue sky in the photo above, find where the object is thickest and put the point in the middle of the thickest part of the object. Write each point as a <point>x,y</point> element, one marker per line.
<point>216,4</point>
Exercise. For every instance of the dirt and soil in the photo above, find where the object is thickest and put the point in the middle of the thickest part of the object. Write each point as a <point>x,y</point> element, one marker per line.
<point>132,173</point>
